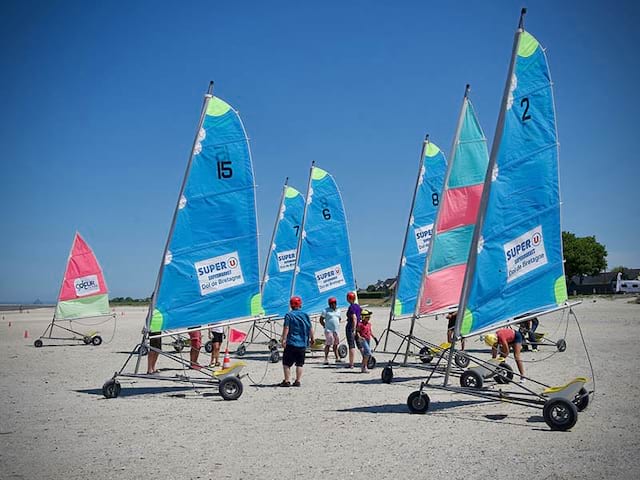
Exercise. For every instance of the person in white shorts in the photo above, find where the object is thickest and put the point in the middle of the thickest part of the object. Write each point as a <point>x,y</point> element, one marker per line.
<point>330,320</point>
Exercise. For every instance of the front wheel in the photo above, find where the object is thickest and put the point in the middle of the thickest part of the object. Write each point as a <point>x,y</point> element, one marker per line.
<point>241,350</point>
<point>208,347</point>
<point>560,414</point>
<point>343,351</point>
<point>230,388</point>
<point>37,343</point>
<point>418,402</point>
<point>582,399</point>
<point>561,345</point>
<point>504,373</point>
<point>97,340</point>
<point>387,374</point>
<point>273,344</point>
<point>111,388</point>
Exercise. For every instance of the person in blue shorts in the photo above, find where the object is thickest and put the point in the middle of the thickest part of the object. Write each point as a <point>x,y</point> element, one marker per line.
<point>297,334</point>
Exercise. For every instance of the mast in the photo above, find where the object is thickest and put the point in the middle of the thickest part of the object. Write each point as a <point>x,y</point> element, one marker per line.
<point>473,253</point>
<point>273,235</point>
<point>406,235</point>
<point>302,234</point>
<point>152,305</point>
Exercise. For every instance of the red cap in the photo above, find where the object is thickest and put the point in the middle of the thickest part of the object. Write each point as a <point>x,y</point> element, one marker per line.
<point>295,302</point>
<point>332,300</point>
<point>351,297</point>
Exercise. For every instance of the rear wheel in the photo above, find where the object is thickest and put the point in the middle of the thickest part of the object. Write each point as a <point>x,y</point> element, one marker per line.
<point>418,402</point>
<point>461,360</point>
<point>230,388</point>
<point>560,414</point>
<point>425,355</point>
<point>96,340</point>
<point>241,350</point>
<point>274,356</point>
<point>582,399</point>
<point>343,351</point>
<point>504,373</point>
<point>371,363</point>
<point>387,374</point>
<point>471,379</point>
<point>208,347</point>
<point>273,344</point>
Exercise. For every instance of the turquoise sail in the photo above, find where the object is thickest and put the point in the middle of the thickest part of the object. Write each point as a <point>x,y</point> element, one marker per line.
<point>281,260</point>
<point>516,265</point>
<point>324,261</point>
<point>210,273</point>
<point>427,197</point>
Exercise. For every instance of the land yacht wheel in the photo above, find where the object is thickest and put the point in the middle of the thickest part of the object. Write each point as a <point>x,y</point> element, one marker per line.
<point>111,388</point>
<point>274,357</point>
<point>37,343</point>
<point>241,350</point>
<point>418,402</point>
<point>461,360</point>
<point>582,399</point>
<point>387,374</point>
<point>560,414</point>
<point>471,379</point>
<point>504,373</point>
<point>561,345</point>
<point>425,355</point>
<point>230,388</point>
<point>96,340</point>
<point>208,347</point>
<point>343,351</point>
<point>371,363</point>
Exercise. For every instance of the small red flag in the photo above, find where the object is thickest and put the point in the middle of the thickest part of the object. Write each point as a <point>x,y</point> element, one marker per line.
<point>236,336</point>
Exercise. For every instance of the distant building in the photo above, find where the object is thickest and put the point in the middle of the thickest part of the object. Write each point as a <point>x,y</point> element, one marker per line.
<point>604,283</point>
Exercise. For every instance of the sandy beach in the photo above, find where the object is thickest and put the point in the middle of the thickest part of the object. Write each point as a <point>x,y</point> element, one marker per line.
<point>55,422</point>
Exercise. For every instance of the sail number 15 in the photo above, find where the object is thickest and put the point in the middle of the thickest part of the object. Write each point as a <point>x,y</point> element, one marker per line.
<point>223,164</point>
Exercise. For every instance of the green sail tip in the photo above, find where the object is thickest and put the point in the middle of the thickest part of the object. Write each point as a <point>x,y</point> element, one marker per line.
<point>291,192</point>
<point>528,44</point>
<point>157,320</point>
<point>318,173</point>
<point>217,107</point>
<point>560,290</point>
<point>467,322</point>
<point>256,305</point>
<point>432,150</point>
<point>397,309</point>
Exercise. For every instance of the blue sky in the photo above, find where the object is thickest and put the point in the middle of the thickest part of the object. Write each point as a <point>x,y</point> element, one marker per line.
<point>101,101</point>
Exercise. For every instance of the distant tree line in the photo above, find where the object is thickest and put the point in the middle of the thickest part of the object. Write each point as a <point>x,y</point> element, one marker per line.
<point>129,301</point>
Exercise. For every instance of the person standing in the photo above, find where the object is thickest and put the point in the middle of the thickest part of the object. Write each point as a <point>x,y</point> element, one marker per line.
<point>353,319</point>
<point>297,334</point>
<point>365,334</point>
<point>217,335</point>
<point>330,321</point>
<point>196,344</point>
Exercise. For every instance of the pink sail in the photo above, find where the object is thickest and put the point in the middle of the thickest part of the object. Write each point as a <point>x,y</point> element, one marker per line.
<point>83,292</point>
<point>83,276</point>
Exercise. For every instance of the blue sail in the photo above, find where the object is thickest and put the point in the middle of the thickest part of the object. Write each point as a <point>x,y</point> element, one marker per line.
<point>516,258</point>
<point>281,260</point>
<point>210,272</point>
<point>324,264</point>
<point>420,228</point>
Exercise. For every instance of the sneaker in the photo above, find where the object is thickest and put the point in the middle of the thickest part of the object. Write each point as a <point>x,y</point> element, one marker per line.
<point>296,383</point>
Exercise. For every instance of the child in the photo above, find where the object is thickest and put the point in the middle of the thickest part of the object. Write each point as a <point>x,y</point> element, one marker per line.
<point>365,334</point>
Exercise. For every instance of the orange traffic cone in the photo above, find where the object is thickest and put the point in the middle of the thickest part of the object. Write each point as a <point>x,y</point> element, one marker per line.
<point>226,362</point>
<point>26,334</point>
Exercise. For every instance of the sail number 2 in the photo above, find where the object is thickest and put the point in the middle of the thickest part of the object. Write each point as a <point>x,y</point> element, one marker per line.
<point>525,115</point>
<point>223,164</point>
